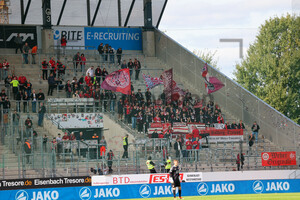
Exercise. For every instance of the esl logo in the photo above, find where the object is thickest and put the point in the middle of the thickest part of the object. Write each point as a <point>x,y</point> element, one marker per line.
<point>145,191</point>
<point>85,193</point>
<point>202,189</point>
<point>22,195</point>
<point>258,187</point>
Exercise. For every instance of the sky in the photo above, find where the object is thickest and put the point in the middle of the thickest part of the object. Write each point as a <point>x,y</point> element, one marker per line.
<point>195,24</point>
<point>200,24</point>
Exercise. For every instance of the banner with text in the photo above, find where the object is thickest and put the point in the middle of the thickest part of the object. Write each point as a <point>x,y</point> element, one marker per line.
<point>73,35</point>
<point>278,158</point>
<point>126,38</point>
<point>143,179</point>
<point>8,34</point>
<point>164,190</point>
<point>12,184</point>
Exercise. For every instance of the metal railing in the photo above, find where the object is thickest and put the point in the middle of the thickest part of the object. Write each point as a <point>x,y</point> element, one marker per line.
<point>48,160</point>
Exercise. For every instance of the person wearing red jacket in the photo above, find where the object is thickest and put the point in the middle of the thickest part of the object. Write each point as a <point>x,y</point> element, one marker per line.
<point>196,146</point>
<point>22,81</point>
<point>196,133</point>
<point>220,119</point>
<point>52,64</point>
<point>87,80</point>
<point>5,67</point>
<point>45,69</point>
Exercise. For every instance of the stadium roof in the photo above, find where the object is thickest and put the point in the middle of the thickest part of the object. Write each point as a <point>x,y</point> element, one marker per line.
<point>75,12</point>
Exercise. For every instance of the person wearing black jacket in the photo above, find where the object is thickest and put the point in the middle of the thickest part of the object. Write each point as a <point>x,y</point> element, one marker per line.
<point>68,88</point>
<point>255,128</point>
<point>119,55</point>
<point>241,125</point>
<point>113,98</point>
<point>104,74</point>
<point>139,96</point>
<point>130,66</point>
<point>98,74</point>
<point>42,111</point>
<point>137,67</point>
<point>178,147</point>
<point>101,50</point>
<point>51,84</point>
<point>27,149</point>
<point>19,97</point>
<point>154,134</point>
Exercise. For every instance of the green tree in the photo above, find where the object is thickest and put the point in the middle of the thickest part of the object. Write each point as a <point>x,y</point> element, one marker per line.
<point>271,69</point>
<point>208,56</point>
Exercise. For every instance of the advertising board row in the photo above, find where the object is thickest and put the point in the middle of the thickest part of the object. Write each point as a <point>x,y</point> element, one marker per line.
<point>155,190</point>
<point>143,179</point>
<point>126,38</point>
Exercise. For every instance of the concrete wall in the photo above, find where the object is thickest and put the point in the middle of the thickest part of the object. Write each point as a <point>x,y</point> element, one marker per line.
<point>149,43</point>
<point>114,135</point>
<point>47,40</point>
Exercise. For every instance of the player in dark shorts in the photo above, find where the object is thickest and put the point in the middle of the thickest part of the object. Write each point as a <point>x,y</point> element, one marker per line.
<point>174,174</point>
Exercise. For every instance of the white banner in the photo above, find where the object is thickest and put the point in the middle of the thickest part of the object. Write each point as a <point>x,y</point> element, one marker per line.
<point>229,138</point>
<point>74,35</point>
<point>143,178</point>
<point>78,120</point>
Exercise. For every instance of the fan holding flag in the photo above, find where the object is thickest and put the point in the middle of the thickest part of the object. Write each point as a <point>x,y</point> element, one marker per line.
<point>118,81</point>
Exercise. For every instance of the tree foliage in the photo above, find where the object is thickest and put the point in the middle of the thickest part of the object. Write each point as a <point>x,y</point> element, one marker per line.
<point>207,56</point>
<point>271,69</point>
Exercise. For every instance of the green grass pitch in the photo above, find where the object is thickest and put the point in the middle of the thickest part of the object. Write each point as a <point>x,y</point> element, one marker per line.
<point>281,196</point>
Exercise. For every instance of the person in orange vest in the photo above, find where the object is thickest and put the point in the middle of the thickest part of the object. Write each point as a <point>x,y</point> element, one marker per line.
<point>27,149</point>
<point>33,54</point>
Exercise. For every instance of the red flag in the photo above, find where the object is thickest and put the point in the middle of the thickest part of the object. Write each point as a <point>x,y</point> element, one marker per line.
<point>118,81</point>
<point>167,78</point>
<point>204,70</point>
<point>212,84</point>
<point>151,82</point>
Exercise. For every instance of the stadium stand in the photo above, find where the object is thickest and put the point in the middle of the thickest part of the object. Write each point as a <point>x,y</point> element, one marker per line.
<point>51,158</point>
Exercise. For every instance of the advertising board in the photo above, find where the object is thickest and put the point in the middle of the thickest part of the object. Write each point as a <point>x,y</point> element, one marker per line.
<point>126,38</point>
<point>278,158</point>
<point>131,191</point>
<point>143,179</point>
<point>9,33</point>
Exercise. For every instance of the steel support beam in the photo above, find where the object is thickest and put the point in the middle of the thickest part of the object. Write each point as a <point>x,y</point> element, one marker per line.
<point>22,11</point>
<point>161,13</point>
<point>88,7</point>
<point>129,13</point>
<point>26,11</point>
<point>119,13</point>
<point>96,12</point>
<point>61,12</point>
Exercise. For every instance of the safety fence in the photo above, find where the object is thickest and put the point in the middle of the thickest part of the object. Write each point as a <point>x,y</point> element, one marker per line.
<point>50,159</point>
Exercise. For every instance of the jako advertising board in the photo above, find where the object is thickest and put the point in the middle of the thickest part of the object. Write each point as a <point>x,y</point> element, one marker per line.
<point>126,38</point>
<point>154,190</point>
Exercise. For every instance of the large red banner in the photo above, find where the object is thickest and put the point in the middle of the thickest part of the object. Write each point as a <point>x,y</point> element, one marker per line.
<point>278,158</point>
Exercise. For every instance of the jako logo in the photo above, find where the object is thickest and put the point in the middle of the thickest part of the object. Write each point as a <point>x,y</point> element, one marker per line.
<point>202,189</point>
<point>258,187</point>
<point>22,195</point>
<point>85,193</point>
<point>145,191</point>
